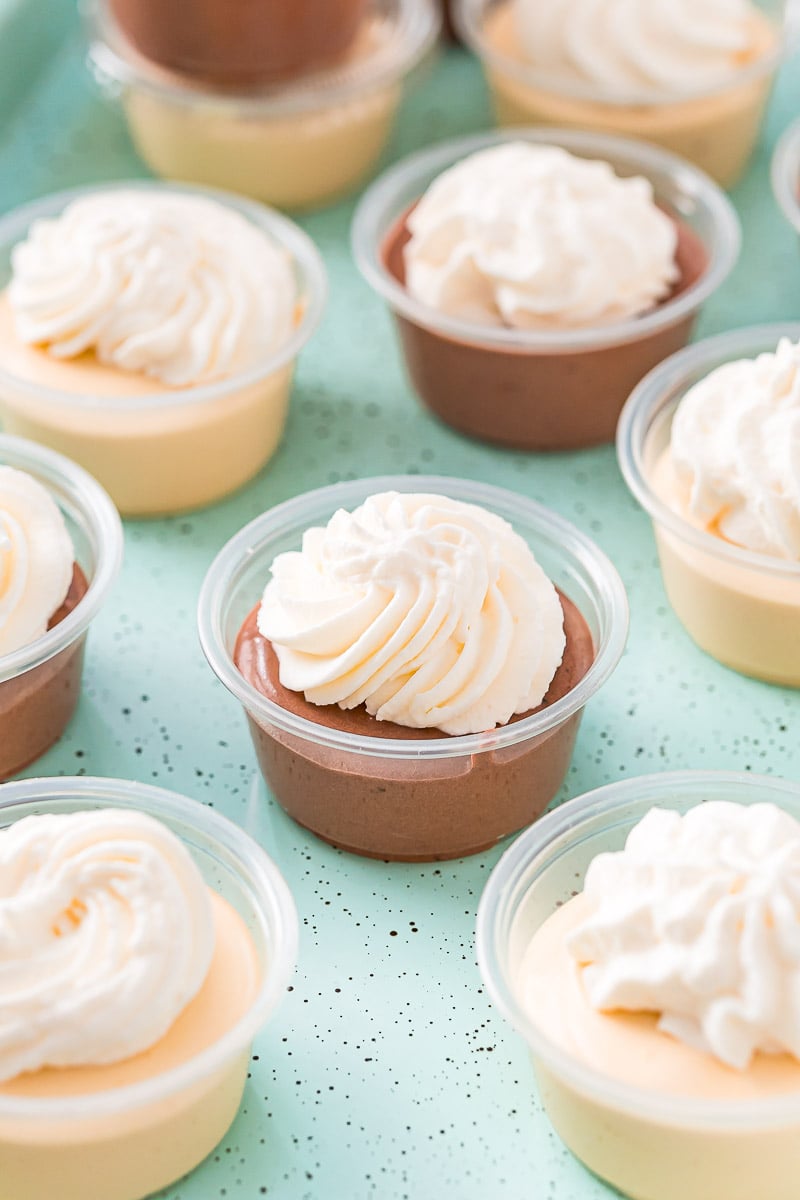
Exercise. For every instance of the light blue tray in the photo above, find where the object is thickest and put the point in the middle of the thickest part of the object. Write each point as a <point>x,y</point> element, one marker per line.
<point>385,1073</point>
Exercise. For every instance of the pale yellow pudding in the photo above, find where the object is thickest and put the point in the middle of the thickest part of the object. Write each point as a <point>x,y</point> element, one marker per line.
<point>130,1154</point>
<point>299,144</point>
<point>744,614</point>
<point>142,444</point>
<point>664,1033</point>
<point>715,130</point>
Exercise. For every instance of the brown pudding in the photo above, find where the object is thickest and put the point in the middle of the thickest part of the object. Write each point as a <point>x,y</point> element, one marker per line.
<point>241,41</point>
<point>409,809</point>
<point>535,399</point>
<point>36,705</point>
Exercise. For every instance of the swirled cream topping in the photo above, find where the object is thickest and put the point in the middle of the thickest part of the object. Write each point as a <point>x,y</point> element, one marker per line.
<point>175,286</point>
<point>735,452</point>
<point>532,237</point>
<point>698,919</point>
<point>106,935</point>
<point>667,47</point>
<point>431,612</point>
<point>36,559</point>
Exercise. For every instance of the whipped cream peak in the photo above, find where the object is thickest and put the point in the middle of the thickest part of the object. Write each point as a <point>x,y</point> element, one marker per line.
<point>735,448</point>
<point>625,47</point>
<point>178,287</point>
<point>36,559</point>
<point>532,237</point>
<point>698,920</point>
<point>106,934</point>
<point>431,612</point>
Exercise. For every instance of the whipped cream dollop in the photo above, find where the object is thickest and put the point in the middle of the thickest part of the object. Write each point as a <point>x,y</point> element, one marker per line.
<point>175,286</point>
<point>36,559</point>
<point>532,237</point>
<point>106,934</point>
<point>431,612</point>
<point>735,450</point>
<point>641,46</point>
<point>698,919</point>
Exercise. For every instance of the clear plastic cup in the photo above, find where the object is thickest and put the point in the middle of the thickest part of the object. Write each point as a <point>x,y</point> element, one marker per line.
<point>405,798</point>
<point>650,1145</point>
<point>715,127</point>
<point>40,683</point>
<point>164,451</point>
<point>127,1142</point>
<point>786,174</point>
<point>298,144</point>
<point>543,389</point>
<point>741,607</point>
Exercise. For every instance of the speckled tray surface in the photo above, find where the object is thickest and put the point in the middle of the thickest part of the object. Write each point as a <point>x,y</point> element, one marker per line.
<point>385,1072</point>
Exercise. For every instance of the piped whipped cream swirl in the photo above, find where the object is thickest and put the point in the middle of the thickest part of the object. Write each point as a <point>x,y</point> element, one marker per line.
<point>637,47</point>
<point>175,286</point>
<point>532,237</point>
<point>106,934</point>
<point>431,612</point>
<point>735,448</point>
<point>36,559</point>
<point>698,919</point>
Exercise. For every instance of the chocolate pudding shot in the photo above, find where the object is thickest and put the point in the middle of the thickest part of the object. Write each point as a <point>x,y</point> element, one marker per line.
<point>241,41</point>
<point>60,549</point>
<point>413,656</point>
<point>536,276</point>
<point>298,141</point>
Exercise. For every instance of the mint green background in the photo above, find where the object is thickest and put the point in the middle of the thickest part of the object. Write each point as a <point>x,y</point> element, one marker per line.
<point>385,1073</point>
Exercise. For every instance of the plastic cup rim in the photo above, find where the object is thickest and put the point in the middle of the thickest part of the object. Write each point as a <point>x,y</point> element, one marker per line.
<point>649,398</point>
<point>306,259</point>
<point>116,63</point>
<point>369,229</point>
<point>468,20</point>
<point>267,885</point>
<point>574,547</point>
<point>100,513</point>
<point>647,1104</point>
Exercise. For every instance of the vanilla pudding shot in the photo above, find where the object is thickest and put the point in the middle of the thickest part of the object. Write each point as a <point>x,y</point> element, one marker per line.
<point>297,142</point>
<point>693,76</point>
<point>708,445</point>
<point>150,333</point>
<point>645,941</point>
<point>146,940</point>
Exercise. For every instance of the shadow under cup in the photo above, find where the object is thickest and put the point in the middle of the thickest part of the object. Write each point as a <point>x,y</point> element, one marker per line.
<point>413,800</point>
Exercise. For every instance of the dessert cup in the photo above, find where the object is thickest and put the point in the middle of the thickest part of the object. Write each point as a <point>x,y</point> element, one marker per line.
<point>786,174</point>
<point>156,449</point>
<point>650,1145</point>
<point>714,127</point>
<point>410,798</point>
<point>126,1142</point>
<point>543,389</point>
<point>299,144</point>
<point>740,606</point>
<point>241,41</point>
<point>40,683</point>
